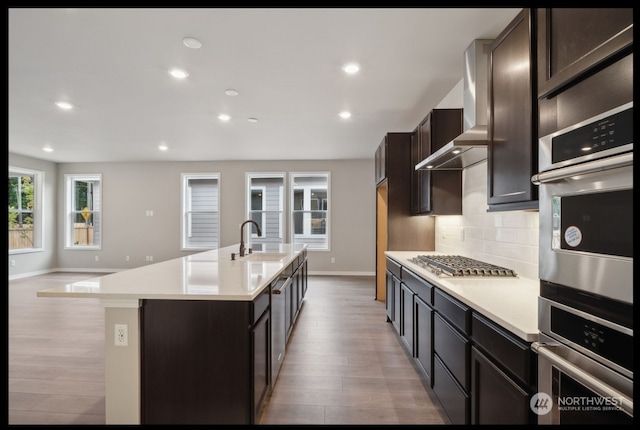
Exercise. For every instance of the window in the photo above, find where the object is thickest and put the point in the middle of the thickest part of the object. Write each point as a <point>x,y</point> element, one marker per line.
<point>83,229</point>
<point>25,210</point>
<point>200,211</point>
<point>266,206</point>
<point>310,209</point>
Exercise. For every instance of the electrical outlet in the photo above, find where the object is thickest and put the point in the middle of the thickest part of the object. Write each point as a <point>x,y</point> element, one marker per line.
<point>13,263</point>
<point>126,258</point>
<point>333,260</point>
<point>121,335</point>
<point>97,258</point>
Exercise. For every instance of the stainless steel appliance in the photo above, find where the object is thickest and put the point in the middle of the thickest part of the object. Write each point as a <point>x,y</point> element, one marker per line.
<point>278,325</point>
<point>585,312</point>
<point>457,265</point>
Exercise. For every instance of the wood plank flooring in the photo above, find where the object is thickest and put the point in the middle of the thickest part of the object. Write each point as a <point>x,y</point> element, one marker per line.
<point>344,363</point>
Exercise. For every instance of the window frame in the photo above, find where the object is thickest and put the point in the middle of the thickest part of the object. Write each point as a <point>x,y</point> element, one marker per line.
<point>184,209</point>
<point>324,203</point>
<point>70,209</point>
<point>37,211</point>
<point>249,176</point>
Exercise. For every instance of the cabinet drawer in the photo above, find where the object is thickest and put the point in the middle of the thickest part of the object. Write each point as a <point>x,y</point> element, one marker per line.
<point>393,267</point>
<point>261,304</point>
<point>454,400</point>
<point>453,349</point>
<point>422,288</point>
<point>453,310</point>
<point>511,352</point>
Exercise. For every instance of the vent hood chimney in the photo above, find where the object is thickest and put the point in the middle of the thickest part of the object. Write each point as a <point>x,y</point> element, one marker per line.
<point>471,146</point>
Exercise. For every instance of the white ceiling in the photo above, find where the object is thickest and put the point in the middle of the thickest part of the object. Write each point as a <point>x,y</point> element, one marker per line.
<point>112,65</point>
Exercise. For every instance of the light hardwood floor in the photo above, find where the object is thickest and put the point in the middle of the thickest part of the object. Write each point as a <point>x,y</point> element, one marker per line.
<point>344,363</point>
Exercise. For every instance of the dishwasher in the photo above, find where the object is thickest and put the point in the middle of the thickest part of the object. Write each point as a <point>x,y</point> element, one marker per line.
<point>278,324</point>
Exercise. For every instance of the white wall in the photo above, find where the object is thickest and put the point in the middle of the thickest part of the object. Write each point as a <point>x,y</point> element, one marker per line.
<point>132,189</point>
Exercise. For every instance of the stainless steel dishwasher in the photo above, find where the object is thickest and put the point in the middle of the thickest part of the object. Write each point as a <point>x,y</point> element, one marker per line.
<point>278,325</point>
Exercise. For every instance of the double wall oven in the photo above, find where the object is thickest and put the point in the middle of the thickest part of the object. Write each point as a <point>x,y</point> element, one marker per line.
<point>585,317</point>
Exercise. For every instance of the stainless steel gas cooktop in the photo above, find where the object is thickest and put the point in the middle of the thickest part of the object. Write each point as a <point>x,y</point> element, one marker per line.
<point>457,265</point>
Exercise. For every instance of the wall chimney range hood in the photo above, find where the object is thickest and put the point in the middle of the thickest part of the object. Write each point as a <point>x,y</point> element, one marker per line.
<point>471,146</point>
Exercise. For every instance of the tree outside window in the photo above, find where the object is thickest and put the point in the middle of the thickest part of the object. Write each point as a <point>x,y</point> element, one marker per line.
<point>24,191</point>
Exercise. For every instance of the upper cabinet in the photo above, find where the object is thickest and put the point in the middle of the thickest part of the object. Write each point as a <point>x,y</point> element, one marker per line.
<point>512,156</point>
<point>435,192</point>
<point>381,161</point>
<point>573,42</point>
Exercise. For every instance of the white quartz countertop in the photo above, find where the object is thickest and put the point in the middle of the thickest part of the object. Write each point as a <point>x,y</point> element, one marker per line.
<point>209,275</point>
<point>510,302</point>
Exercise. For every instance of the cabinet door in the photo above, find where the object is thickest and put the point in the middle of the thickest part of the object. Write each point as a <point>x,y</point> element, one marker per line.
<point>573,41</point>
<point>440,192</point>
<point>512,150</point>
<point>397,305</point>
<point>407,329</point>
<point>496,398</point>
<point>261,363</point>
<point>416,175</point>
<point>423,346</point>
<point>381,161</point>
<point>388,303</point>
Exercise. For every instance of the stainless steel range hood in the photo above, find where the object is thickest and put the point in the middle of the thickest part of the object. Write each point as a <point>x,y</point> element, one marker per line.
<point>471,146</point>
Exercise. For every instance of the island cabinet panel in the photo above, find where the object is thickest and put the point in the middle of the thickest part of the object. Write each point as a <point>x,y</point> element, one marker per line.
<point>200,360</point>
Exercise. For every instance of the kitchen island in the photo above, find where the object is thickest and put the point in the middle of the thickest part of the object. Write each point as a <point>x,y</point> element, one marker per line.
<point>187,341</point>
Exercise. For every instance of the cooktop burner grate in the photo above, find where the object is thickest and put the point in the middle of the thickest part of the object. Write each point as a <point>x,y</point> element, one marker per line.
<point>457,265</point>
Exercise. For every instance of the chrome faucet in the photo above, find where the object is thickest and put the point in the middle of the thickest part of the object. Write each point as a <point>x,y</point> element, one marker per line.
<point>242,234</point>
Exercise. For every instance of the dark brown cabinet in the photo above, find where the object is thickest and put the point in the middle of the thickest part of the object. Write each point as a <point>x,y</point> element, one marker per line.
<point>503,376</point>
<point>574,42</point>
<point>451,352</point>
<point>396,228</point>
<point>440,192</point>
<point>204,361</point>
<point>480,372</point>
<point>512,156</point>
<point>407,312</point>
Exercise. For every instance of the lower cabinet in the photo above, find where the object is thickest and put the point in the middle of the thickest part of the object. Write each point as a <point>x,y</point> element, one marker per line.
<point>407,321</point>
<point>204,361</point>
<point>503,375</point>
<point>480,372</point>
<point>423,346</point>
<point>451,350</point>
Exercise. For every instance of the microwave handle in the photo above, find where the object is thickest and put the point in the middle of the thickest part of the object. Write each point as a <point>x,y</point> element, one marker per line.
<point>561,173</point>
<point>581,376</point>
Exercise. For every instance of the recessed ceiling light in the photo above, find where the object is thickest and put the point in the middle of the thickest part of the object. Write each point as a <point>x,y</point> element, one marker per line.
<point>252,119</point>
<point>178,74</point>
<point>231,92</point>
<point>47,149</point>
<point>64,105</point>
<point>351,68</point>
<point>224,117</point>
<point>191,42</point>
<point>345,114</point>
<point>163,147</point>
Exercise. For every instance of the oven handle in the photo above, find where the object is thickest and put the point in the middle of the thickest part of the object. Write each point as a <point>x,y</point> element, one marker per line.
<point>581,376</point>
<point>561,173</point>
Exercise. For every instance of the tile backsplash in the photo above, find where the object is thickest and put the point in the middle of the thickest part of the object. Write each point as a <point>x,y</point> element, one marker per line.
<point>508,239</point>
